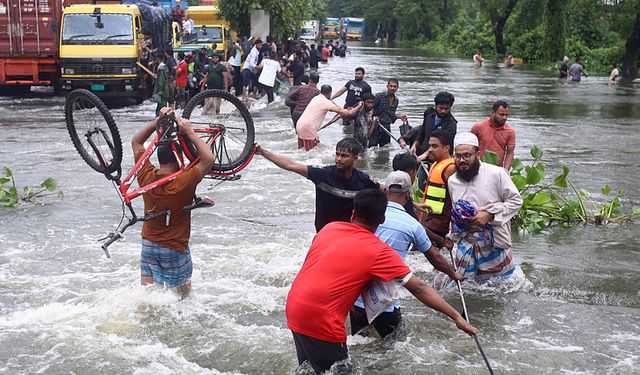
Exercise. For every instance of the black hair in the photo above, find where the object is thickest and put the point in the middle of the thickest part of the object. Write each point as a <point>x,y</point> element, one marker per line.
<point>444,139</point>
<point>181,55</point>
<point>305,79</point>
<point>169,51</point>
<point>313,46</point>
<point>394,80</point>
<point>367,96</point>
<point>313,76</point>
<point>444,98</point>
<point>269,39</point>
<point>349,144</point>
<point>361,69</point>
<point>325,89</point>
<point>499,103</point>
<point>258,41</point>
<point>370,206</point>
<point>405,161</point>
<point>165,154</point>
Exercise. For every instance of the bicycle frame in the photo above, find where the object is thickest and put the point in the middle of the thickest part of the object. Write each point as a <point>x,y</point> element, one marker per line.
<point>123,186</point>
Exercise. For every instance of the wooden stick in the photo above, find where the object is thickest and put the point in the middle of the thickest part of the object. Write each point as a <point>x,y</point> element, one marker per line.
<point>146,69</point>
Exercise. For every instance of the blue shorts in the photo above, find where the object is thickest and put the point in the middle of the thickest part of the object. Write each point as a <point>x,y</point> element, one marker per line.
<point>248,77</point>
<point>168,267</point>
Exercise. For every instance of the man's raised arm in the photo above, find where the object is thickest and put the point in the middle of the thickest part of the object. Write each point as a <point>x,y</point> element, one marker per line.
<point>283,162</point>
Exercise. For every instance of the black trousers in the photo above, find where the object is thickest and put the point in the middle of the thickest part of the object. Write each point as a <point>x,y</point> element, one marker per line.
<point>321,354</point>
<point>385,323</point>
<point>237,80</point>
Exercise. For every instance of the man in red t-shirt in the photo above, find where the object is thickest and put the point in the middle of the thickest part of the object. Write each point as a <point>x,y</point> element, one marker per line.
<point>342,259</point>
<point>182,74</point>
<point>494,134</point>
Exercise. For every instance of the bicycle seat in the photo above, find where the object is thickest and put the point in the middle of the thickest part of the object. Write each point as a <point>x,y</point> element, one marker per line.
<point>199,203</point>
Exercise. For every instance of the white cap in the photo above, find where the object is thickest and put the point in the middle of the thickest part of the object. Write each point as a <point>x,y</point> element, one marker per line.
<point>465,138</point>
<point>565,59</point>
<point>398,182</point>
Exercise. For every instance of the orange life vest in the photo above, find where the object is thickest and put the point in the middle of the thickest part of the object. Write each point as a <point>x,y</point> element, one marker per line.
<point>435,192</point>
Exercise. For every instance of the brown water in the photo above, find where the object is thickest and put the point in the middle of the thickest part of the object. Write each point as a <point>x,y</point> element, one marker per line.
<point>64,308</point>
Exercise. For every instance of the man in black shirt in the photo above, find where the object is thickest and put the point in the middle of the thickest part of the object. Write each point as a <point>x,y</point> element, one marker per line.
<point>336,185</point>
<point>356,87</point>
<point>314,57</point>
<point>385,106</point>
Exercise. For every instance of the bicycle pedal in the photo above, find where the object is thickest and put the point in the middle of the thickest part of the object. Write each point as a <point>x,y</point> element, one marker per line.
<point>224,178</point>
<point>199,203</point>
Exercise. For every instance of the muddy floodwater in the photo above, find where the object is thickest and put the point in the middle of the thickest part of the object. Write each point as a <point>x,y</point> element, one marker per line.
<point>65,308</point>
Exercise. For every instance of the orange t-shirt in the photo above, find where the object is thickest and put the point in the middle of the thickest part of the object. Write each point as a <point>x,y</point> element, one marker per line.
<point>172,196</point>
<point>494,139</point>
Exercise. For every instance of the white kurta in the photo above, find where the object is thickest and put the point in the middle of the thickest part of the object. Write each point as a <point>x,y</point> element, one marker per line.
<point>493,191</point>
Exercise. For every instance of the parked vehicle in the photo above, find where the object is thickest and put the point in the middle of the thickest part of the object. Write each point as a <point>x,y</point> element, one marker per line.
<point>353,28</point>
<point>331,28</point>
<point>103,46</point>
<point>210,28</point>
<point>29,43</point>
<point>310,31</point>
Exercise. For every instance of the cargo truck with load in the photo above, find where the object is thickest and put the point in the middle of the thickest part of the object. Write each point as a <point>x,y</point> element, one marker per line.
<point>310,31</point>
<point>29,31</point>
<point>103,46</point>
<point>210,28</point>
<point>353,28</point>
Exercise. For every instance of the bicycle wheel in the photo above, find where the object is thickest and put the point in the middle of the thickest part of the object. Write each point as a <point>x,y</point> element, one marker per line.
<point>93,131</point>
<point>219,109</point>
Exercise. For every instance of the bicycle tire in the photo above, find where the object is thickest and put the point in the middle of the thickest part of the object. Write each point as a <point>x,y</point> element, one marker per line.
<point>239,132</point>
<point>98,122</point>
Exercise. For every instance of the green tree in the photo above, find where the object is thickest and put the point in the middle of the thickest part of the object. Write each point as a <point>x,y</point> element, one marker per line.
<point>554,32</point>
<point>285,16</point>
<point>498,12</point>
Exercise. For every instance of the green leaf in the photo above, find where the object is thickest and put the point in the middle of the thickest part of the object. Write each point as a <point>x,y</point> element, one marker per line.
<point>583,193</point>
<point>606,189</point>
<point>517,165</point>
<point>4,180</point>
<point>541,198</point>
<point>50,183</point>
<point>490,157</point>
<point>536,152</point>
<point>635,211</point>
<point>519,181</point>
<point>561,181</point>
<point>533,175</point>
<point>7,172</point>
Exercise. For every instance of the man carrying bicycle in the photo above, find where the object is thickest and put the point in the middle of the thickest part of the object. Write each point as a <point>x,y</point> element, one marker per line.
<point>165,257</point>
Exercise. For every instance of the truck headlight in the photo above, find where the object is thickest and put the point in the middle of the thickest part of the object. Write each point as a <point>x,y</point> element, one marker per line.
<point>127,70</point>
<point>69,71</point>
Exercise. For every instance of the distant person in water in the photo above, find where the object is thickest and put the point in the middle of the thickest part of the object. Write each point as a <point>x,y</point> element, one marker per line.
<point>509,61</point>
<point>577,70</point>
<point>313,115</point>
<point>614,74</point>
<point>477,59</point>
<point>564,68</point>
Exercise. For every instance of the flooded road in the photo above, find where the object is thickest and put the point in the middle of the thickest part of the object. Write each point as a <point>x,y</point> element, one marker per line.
<point>65,308</point>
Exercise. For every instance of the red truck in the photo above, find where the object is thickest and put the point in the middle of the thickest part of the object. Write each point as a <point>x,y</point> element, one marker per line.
<point>29,42</point>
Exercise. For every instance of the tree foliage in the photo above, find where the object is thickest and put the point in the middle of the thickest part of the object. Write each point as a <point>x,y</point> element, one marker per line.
<point>601,32</point>
<point>285,16</point>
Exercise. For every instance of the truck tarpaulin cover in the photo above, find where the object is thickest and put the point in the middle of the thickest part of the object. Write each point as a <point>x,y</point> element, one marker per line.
<point>157,23</point>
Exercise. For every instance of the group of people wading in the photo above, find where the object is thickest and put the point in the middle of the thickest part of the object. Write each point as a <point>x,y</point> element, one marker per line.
<point>365,228</point>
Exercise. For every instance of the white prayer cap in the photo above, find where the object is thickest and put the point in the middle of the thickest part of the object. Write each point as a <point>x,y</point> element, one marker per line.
<point>465,138</point>
<point>565,59</point>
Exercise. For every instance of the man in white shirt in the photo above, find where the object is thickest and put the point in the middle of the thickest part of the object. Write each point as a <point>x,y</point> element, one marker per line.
<point>270,67</point>
<point>248,77</point>
<point>483,240</point>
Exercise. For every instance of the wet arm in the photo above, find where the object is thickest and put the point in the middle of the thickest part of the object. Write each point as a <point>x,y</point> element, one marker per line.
<point>428,296</point>
<point>283,162</point>
<point>437,260</point>
<point>339,92</point>
<point>141,136</point>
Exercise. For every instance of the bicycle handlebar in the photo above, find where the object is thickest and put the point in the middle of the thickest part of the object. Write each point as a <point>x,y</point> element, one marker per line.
<point>112,238</point>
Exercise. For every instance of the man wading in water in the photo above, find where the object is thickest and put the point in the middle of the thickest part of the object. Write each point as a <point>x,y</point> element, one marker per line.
<point>165,256</point>
<point>336,185</point>
<point>342,259</point>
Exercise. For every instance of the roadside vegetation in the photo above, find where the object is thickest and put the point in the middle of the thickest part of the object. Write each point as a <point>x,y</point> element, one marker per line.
<point>542,31</point>
<point>11,195</point>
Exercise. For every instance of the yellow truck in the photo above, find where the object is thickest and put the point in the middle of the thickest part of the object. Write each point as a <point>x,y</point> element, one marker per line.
<point>102,45</point>
<point>209,28</point>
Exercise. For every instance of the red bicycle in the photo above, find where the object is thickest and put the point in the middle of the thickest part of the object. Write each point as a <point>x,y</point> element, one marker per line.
<point>218,117</point>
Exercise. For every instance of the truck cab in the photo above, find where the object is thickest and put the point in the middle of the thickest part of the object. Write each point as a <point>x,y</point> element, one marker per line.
<point>209,28</point>
<point>99,49</point>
